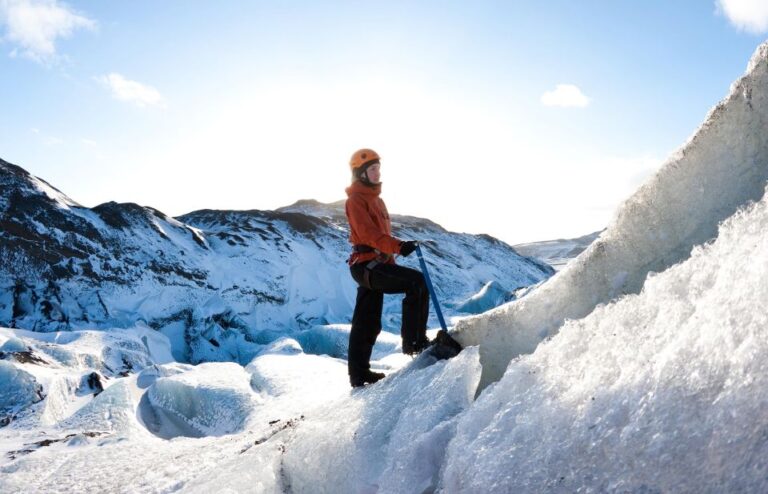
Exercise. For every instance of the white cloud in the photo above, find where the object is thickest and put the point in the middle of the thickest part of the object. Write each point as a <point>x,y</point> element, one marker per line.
<point>749,15</point>
<point>34,26</point>
<point>565,95</point>
<point>132,91</point>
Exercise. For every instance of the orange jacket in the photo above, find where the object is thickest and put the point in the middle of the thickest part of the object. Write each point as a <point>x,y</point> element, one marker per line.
<point>369,224</point>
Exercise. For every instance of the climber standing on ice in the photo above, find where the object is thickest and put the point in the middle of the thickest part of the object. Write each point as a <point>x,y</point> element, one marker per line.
<point>372,265</point>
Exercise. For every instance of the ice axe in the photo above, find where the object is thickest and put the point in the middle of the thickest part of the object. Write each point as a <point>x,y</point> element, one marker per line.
<point>443,346</point>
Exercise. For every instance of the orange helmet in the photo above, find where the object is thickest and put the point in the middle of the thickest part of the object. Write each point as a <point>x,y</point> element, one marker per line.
<point>362,157</point>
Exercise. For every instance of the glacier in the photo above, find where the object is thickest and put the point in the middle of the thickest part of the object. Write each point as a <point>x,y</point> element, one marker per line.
<point>642,366</point>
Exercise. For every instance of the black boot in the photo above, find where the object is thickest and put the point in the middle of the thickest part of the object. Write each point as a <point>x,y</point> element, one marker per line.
<point>416,347</point>
<point>368,377</point>
<point>444,346</point>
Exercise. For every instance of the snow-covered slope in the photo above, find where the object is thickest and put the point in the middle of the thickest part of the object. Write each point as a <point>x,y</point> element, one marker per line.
<point>219,284</point>
<point>557,253</point>
<point>721,168</point>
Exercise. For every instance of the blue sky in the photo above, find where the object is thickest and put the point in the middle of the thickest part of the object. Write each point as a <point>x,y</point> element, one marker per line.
<point>184,105</point>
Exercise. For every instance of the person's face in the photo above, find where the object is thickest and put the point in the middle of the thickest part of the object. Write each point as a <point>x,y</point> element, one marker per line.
<point>374,173</point>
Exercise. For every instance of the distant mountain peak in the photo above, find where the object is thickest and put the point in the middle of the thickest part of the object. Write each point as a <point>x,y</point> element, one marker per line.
<point>15,179</point>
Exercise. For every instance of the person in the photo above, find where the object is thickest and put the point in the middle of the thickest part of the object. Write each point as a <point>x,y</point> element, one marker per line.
<point>372,266</point>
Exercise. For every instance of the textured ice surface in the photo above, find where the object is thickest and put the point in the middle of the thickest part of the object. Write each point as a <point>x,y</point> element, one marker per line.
<point>109,352</point>
<point>112,411</point>
<point>64,362</point>
<point>105,445</point>
<point>665,391</point>
<point>723,166</point>
<point>13,345</point>
<point>491,295</point>
<point>18,389</point>
<point>213,399</point>
<point>333,340</point>
<point>299,374</point>
<point>387,438</point>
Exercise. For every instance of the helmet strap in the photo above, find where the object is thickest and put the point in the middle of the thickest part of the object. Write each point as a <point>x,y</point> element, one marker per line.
<point>365,180</point>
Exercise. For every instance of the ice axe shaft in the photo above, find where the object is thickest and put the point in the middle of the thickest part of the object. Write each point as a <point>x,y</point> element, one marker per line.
<point>431,288</point>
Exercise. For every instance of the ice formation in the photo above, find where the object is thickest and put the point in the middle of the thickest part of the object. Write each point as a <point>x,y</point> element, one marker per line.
<point>664,391</point>
<point>491,295</point>
<point>721,168</point>
<point>389,438</point>
<point>209,400</point>
<point>18,390</point>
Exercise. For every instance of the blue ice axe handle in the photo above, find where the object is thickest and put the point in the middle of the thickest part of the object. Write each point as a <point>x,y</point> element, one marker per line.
<point>430,288</point>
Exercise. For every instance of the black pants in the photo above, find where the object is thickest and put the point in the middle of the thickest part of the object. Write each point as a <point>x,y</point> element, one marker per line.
<point>366,320</point>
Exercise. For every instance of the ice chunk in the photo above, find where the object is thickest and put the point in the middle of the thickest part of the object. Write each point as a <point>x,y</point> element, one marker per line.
<point>333,340</point>
<point>282,346</point>
<point>213,399</point>
<point>309,379</point>
<point>18,390</point>
<point>13,345</point>
<point>491,295</point>
<point>113,411</point>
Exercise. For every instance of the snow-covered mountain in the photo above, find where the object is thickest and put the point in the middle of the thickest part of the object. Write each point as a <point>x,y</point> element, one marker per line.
<point>641,367</point>
<point>557,253</point>
<point>219,284</point>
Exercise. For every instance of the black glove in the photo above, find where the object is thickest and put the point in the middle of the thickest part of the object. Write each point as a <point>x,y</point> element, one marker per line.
<point>407,246</point>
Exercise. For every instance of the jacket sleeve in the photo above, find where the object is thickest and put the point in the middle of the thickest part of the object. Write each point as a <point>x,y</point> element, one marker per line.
<point>366,230</point>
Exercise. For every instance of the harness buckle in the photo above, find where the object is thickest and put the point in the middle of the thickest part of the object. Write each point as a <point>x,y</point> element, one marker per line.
<point>367,273</point>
